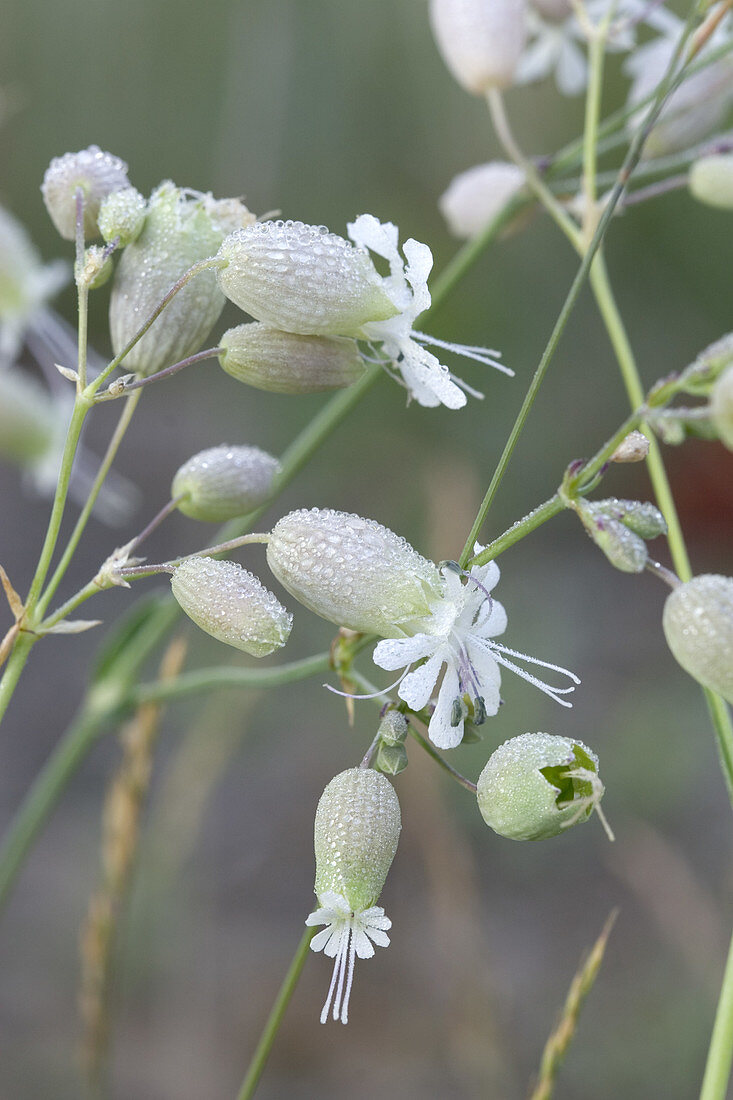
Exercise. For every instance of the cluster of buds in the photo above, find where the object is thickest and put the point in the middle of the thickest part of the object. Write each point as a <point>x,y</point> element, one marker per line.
<point>620,529</point>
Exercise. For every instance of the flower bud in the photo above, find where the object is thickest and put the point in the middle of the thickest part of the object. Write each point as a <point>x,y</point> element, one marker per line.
<point>231,605</point>
<point>641,517</point>
<point>711,181</point>
<point>634,448</point>
<point>356,832</point>
<point>97,174</point>
<point>122,216</point>
<point>698,626</point>
<point>391,759</point>
<point>393,728</point>
<point>475,197</point>
<point>283,362</point>
<point>721,407</point>
<point>623,548</point>
<point>480,41</point>
<point>352,571</point>
<point>96,267</point>
<point>27,418</point>
<point>223,482</point>
<point>181,229</point>
<point>536,785</point>
<point>303,279</point>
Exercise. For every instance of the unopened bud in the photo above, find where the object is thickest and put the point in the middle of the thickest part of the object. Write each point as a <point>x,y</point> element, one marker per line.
<point>231,605</point>
<point>283,362</point>
<point>352,571</point>
<point>224,482</point>
<point>480,41</point>
<point>537,785</point>
<point>623,548</point>
<point>641,517</point>
<point>391,759</point>
<point>178,232</point>
<point>303,279</point>
<point>634,448</point>
<point>711,181</point>
<point>95,173</point>
<point>698,626</point>
<point>356,832</point>
<point>475,197</point>
<point>122,216</point>
<point>393,728</point>
<point>96,268</point>
<point>721,407</point>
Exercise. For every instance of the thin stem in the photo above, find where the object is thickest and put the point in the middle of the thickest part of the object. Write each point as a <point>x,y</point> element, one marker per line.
<point>262,1051</point>
<point>80,597</point>
<point>135,572</point>
<point>121,388</point>
<point>14,667</point>
<point>110,454</point>
<point>204,680</point>
<point>202,265</point>
<point>596,56</point>
<point>534,519</point>
<point>720,1054</point>
<point>654,190</point>
<point>556,211</point>
<point>156,521</point>
<point>435,755</point>
<point>82,289</point>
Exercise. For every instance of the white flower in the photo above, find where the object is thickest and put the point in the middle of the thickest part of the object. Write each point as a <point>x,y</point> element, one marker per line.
<point>461,641</point>
<point>426,379</point>
<point>346,937</point>
<point>26,284</point>
<point>478,195</point>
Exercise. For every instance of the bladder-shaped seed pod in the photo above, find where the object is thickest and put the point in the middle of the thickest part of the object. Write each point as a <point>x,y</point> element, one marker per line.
<point>356,832</point>
<point>179,231</point>
<point>231,605</point>
<point>721,407</point>
<point>698,626</point>
<point>303,279</point>
<point>284,362</point>
<point>536,785</point>
<point>480,41</point>
<point>352,571</point>
<point>223,482</point>
<point>92,171</point>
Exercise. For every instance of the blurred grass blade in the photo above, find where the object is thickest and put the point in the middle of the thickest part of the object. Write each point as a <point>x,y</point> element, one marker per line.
<point>557,1045</point>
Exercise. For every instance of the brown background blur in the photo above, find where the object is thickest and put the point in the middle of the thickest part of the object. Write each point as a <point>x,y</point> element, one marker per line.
<point>324,110</point>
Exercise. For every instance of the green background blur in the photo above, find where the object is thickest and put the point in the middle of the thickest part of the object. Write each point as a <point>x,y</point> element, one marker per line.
<point>324,110</point>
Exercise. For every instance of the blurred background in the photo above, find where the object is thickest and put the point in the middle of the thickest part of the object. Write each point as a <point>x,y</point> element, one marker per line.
<point>323,111</point>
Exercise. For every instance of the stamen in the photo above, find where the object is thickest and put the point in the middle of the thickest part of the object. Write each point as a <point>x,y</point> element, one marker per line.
<point>336,966</point>
<point>349,982</point>
<point>343,952</point>
<point>371,695</point>
<point>554,693</point>
<point>536,661</point>
<point>486,356</point>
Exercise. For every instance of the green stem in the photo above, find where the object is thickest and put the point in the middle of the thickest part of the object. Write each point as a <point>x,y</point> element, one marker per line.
<point>80,597</point>
<point>104,468</point>
<point>435,755</point>
<point>44,794</point>
<point>262,1052</point>
<point>210,679</point>
<point>534,519</point>
<point>112,394</point>
<point>720,1054</point>
<point>14,668</point>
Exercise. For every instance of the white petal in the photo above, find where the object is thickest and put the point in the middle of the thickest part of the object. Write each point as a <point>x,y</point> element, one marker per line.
<point>335,940</point>
<point>362,947</point>
<point>418,685</point>
<point>428,381</point>
<point>380,237</point>
<point>381,923</point>
<point>538,60</point>
<point>496,622</point>
<point>380,938</point>
<point>394,653</point>
<point>419,265</point>
<point>320,940</point>
<point>489,675</point>
<point>440,730</point>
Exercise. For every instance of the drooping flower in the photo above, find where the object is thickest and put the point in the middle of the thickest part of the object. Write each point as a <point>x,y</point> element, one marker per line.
<point>460,640</point>
<point>424,376</point>
<point>305,280</point>
<point>479,40</point>
<point>475,197</point>
<point>356,831</point>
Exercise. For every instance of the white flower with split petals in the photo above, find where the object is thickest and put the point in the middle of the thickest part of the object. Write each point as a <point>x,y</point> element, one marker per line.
<point>424,376</point>
<point>461,641</point>
<point>346,937</point>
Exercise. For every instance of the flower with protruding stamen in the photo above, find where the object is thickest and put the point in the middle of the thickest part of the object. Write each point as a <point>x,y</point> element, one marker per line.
<point>356,832</point>
<point>424,376</point>
<point>460,640</point>
<point>302,279</point>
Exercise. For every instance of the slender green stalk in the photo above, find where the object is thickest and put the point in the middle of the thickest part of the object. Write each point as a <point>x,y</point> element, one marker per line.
<point>112,393</point>
<point>14,667</point>
<point>104,468</point>
<point>204,680</point>
<point>80,597</point>
<point>262,1051</point>
<point>720,1054</point>
<point>44,794</point>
